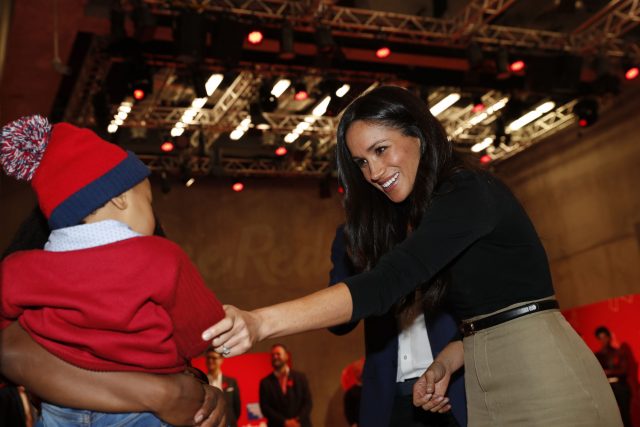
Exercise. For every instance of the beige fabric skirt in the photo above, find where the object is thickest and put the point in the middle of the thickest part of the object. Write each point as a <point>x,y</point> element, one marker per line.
<point>535,371</point>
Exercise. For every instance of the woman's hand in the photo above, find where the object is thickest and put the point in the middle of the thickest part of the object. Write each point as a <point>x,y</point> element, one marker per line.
<point>235,334</point>
<point>429,391</point>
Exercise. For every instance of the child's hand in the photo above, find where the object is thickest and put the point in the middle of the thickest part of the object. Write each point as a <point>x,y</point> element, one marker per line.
<point>235,334</point>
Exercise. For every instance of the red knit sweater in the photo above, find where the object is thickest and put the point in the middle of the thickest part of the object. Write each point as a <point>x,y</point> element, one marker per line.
<point>134,305</point>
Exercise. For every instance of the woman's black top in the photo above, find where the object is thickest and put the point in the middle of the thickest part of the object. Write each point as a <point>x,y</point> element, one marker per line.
<point>477,229</point>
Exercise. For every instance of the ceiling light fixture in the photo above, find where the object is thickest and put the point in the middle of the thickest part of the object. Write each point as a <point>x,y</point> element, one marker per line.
<point>444,104</point>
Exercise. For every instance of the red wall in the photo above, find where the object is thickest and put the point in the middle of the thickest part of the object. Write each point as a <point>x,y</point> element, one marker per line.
<point>248,370</point>
<point>622,317</point>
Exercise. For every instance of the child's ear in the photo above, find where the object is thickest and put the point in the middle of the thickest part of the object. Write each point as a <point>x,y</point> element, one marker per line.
<point>120,202</point>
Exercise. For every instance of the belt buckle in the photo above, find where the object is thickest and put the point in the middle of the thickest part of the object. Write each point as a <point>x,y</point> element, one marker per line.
<point>468,329</point>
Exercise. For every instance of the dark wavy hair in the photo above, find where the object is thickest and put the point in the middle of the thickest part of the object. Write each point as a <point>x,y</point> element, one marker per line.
<point>374,224</point>
<point>32,233</point>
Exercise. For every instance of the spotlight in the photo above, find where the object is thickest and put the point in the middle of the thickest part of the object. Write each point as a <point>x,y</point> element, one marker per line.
<point>185,175</point>
<point>286,42</point>
<point>340,189</point>
<point>631,73</point>
<point>237,186</point>
<point>485,159</point>
<point>268,101</point>
<point>587,111</point>
<point>167,146</point>
<point>478,105</point>
<point>324,39</point>
<point>517,66</point>
<point>255,37</point>
<point>140,78</point>
<point>630,68</point>
<point>281,151</point>
<point>301,93</point>
<point>139,94</point>
<point>342,90</point>
<point>257,118</point>
<point>383,52</point>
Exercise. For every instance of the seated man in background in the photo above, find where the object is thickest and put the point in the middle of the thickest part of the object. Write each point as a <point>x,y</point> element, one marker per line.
<point>615,364</point>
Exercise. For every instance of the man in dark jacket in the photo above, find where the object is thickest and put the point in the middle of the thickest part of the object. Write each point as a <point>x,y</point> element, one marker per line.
<point>227,384</point>
<point>285,399</point>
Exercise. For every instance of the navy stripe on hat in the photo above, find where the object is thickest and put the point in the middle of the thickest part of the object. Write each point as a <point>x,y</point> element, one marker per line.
<point>127,174</point>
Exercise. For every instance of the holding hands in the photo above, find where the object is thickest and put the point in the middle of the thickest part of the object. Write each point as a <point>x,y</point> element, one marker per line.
<point>429,391</point>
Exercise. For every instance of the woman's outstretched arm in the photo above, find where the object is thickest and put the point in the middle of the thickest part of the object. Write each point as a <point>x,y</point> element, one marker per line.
<point>239,330</point>
<point>178,399</point>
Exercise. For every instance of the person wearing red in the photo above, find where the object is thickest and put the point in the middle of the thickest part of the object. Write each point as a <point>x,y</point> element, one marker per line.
<point>104,294</point>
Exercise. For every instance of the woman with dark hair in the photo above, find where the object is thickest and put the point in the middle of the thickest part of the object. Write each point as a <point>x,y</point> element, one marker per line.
<point>173,398</point>
<point>424,226</point>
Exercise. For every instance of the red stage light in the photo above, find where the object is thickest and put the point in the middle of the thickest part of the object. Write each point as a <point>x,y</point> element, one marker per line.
<point>383,52</point>
<point>237,186</point>
<point>255,37</point>
<point>485,159</point>
<point>340,189</point>
<point>478,107</point>
<point>517,66</point>
<point>167,146</point>
<point>301,95</point>
<point>138,94</point>
<point>281,151</point>
<point>583,123</point>
<point>631,73</point>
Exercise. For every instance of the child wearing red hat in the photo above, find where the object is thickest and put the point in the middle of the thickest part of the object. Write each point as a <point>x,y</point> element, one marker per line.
<point>104,294</point>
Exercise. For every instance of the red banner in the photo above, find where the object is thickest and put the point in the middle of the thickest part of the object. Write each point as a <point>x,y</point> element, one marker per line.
<point>248,370</point>
<point>622,317</point>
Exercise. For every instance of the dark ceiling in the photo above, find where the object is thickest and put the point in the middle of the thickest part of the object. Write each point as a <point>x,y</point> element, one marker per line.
<point>573,50</point>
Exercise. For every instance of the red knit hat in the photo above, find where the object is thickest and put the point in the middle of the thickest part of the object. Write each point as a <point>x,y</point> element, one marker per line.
<point>72,170</point>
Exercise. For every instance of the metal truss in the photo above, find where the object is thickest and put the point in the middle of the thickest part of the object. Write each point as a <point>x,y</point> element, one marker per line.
<point>285,123</point>
<point>477,14</point>
<point>624,17</point>
<point>267,167</point>
<point>228,166</point>
<point>90,79</point>
<point>398,27</point>
<point>463,125</point>
<point>614,21</point>
<point>197,165</point>
<point>529,135</point>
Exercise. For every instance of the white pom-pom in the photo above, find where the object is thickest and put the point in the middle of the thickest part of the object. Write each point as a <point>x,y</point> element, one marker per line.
<point>22,145</point>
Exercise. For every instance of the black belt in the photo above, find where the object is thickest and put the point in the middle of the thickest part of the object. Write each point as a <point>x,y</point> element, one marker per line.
<point>470,328</point>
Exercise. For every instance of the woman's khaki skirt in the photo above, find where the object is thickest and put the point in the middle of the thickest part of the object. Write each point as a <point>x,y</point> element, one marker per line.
<point>535,371</point>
